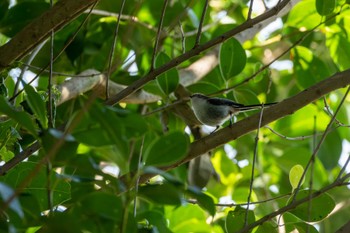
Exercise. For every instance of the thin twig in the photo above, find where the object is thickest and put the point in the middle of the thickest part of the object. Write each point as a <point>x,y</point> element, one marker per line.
<point>244,204</point>
<point>253,165</point>
<point>111,52</point>
<point>130,18</point>
<point>300,138</point>
<point>155,49</point>
<point>50,119</point>
<point>183,39</point>
<point>49,86</point>
<point>29,60</point>
<point>311,175</point>
<point>343,168</point>
<point>329,111</point>
<point>250,10</point>
<point>319,144</point>
<point>138,171</point>
<point>199,33</point>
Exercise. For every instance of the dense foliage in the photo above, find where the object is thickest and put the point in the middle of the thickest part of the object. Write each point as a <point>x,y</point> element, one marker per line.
<point>83,164</point>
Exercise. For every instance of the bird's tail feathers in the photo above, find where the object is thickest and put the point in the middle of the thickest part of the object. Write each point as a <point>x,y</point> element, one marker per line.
<point>254,106</point>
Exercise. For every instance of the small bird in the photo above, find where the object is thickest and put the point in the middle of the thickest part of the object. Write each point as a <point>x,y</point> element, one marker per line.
<point>215,111</point>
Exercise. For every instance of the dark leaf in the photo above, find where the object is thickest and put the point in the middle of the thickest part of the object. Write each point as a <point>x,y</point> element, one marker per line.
<point>235,220</point>
<point>169,80</point>
<point>37,105</point>
<point>325,7</point>
<point>321,206</point>
<point>164,194</point>
<point>167,150</point>
<point>232,58</point>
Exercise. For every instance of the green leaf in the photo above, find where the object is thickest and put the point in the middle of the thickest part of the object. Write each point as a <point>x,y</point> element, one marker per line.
<point>302,227</point>
<point>112,125</point>
<point>37,105</point>
<point>135,125</point>
<point>155,218</point>
<point>295,174</point>
<point>4,4</point>
<point>321,206</point>
<point>167,150</point>
<point>187,218</point>
<point>5,154</point>
<point>169,80</point>
<point>93,137</point>
<point>267,227</point>
<point>164,194</point>
<point>308,68</point>
<point>203,200</point>
<point>292,223</point>
<point>235,220</point>
<point>38,184</point>
<point>21,117</point>
<point>304,15</point>
<point>65,152</point>
<point>103,205</point>
<point>330,150</point>
<point>20,15</point>
<point>325,7</point>
<point>232,58</point>
<point>339,45</point>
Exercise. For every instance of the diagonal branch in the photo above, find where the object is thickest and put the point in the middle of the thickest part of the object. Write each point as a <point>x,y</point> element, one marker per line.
<point>285,107</point>
<point>194,52</point>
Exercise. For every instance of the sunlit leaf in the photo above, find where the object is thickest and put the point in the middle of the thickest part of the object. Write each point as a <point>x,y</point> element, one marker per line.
<point>295,174</point>
<point>5,154</point>
<point>339,46</point>
<point>308,68</point>
<point>187,218</point>
<point>304,15</point>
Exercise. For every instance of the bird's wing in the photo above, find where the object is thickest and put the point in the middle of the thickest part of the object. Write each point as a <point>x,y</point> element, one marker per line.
<point>221,101</point>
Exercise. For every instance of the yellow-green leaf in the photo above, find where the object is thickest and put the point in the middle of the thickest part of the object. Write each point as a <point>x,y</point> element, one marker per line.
<point>295,174</point>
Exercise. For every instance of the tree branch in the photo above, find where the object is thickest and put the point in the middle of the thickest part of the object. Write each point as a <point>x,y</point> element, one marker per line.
<point>285,107</point>
<point>194,52</point>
